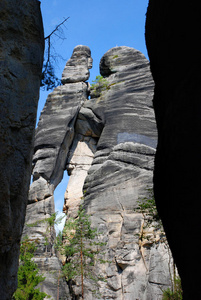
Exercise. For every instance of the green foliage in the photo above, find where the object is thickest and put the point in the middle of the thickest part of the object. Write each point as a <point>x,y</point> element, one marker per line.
<point>98,79</point>
<point>99,84</point>
<point>175,294</point>
<point>115,56</point>
<point>81,248</point>
<point>51,221</point>
<point>147,206</point>
<point>58,243</point>
<point>28,277</point>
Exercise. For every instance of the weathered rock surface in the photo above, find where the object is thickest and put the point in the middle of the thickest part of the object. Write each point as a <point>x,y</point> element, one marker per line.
<point>37,216</point>
<point>107,144</point>
<point>174,49</point>
<point>119,118</point>
<point>55,131</point>
<point>77,67</point>
<point>119,177</point>
<point>54,135</point>
<point>21,57</point>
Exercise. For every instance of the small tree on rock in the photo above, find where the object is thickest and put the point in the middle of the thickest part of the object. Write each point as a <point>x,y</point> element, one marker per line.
<point>81,249</point>
<point>28,277</point>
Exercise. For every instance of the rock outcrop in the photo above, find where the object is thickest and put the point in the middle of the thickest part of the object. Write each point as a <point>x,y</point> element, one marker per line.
<point>174,49</point>
<point>120,174</point>
<point>21,58</point>
<point>107,144</point>
<point>54,135</point>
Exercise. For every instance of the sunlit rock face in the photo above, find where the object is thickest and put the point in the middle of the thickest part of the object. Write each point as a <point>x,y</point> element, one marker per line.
<point>53,138</point>
<point>21,58</point>
<point>107,145</point>
<point>174,50</point>
<point>77,67</point>
<point>119,176</point>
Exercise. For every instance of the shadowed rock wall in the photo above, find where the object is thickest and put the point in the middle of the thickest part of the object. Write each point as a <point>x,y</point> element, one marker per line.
<point>173,42</point>
<point>21,57</point>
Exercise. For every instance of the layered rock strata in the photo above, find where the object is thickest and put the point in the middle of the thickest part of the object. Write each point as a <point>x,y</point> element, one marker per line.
<point>107,144</point>
<point>54,135</point>
<point>174,49</point>
<point>119,176</point>
<point>21,58</point>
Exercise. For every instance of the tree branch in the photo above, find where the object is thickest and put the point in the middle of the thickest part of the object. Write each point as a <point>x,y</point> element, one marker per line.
<point>57,27</point>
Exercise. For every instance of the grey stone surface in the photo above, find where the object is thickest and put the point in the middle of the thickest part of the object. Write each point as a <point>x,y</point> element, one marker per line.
<point>40,190</point>
<point>119,176</point>
<point>45,256</point>
<point>77,67</point>
<point>109,154</point>
<point>55,131</point>
<point>53,138</point>
<point>21,58</point>
<point>54,285</point>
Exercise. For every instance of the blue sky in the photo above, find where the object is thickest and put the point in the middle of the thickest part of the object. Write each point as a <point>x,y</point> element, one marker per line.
<point>99,25</point>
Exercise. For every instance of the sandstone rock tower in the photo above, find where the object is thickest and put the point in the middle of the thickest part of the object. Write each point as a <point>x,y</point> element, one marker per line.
<point>107,145</point>
<point>53,139</point>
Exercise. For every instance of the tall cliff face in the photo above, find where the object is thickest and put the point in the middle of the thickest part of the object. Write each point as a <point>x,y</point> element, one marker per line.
<point>121,171</point>
<point>21,56</point>
<point>107,144</point>
<point>172,36</point>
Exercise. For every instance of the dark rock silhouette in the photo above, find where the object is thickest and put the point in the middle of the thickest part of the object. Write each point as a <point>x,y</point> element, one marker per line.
<point>21,57</point>
<point>173,42</point>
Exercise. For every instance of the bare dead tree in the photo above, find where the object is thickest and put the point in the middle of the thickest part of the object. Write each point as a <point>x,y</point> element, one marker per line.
<point>49,79</point>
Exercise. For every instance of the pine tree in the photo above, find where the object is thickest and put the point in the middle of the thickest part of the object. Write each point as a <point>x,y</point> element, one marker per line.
<point>28,277</point>
<point>49,233</point>
<point>81,249</point>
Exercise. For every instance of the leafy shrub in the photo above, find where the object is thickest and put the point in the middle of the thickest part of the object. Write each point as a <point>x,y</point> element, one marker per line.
<point>175,294</point>
<point>99,85</point>
<point>100,80</point>
<point>147,206</point>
